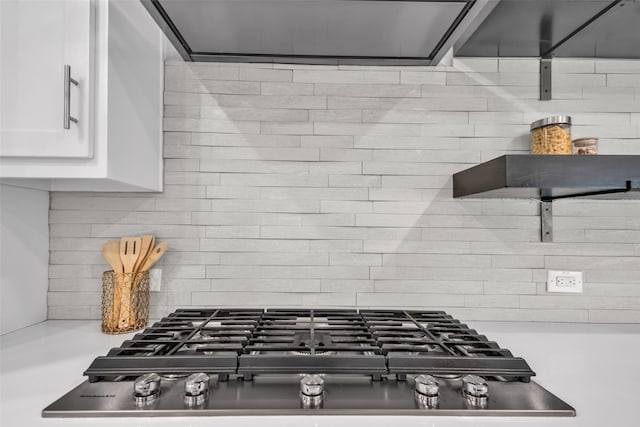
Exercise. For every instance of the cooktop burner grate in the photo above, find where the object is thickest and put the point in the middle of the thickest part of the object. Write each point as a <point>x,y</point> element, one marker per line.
<point>280,341</point>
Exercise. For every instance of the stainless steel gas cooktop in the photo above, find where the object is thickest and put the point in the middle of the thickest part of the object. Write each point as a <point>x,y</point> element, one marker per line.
<point>199,362</point>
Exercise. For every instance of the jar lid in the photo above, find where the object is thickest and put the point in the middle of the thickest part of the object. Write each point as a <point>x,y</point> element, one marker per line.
<point>585,142</point>
<point>553,120</point>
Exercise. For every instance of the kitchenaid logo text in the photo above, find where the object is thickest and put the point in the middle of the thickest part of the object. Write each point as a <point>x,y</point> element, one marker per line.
<point>97,395</point>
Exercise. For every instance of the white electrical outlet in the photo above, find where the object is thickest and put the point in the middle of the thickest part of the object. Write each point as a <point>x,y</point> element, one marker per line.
<point>564,281</point>
<point>155,277</point>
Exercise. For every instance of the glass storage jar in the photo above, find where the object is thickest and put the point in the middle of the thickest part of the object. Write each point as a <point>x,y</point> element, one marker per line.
<point>551,135</point>
<point>585,146</point>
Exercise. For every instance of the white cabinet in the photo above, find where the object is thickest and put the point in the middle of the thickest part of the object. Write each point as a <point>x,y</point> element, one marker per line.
<point>38,39</point>
<point>115,52</point>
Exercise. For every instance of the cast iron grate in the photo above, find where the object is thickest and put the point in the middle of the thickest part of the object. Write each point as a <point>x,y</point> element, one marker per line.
<point>306,341</point>
<point>279,341</point>
<point>436,343</point>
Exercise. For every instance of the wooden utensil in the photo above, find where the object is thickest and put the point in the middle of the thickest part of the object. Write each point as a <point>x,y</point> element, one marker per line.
<point>146,246</point>
<point>129,253</point>
<point>111,253</point>
<point>154,256</point>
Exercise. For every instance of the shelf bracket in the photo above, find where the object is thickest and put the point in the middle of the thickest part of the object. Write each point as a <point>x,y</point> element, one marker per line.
<point>546,221</point>
<point>546,207</point>
<point>545,79</point>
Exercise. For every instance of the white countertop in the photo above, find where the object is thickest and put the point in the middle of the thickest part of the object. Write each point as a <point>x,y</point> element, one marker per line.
<point>591,367</point>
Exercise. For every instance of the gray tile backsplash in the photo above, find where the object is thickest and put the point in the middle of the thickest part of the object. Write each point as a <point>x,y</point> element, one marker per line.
<point>330,186</point>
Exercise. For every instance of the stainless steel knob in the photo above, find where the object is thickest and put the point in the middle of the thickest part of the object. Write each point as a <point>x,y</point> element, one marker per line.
<point>475,386</point>
<point>312,385</point>
<point>146,388</point>
<point>427,385</point>
<point>427,391</point>
<point>311,391</point>
<point>196,389</point>
<point>476,390</point>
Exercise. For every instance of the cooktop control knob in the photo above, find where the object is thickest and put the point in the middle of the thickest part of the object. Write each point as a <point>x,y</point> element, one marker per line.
<point>475,390</point>
<point>312,385</point>
<point>311,391</point>
<point>427,391</point>
<point>146,388</point>
<point>427,385</point>
<point>196,389</point>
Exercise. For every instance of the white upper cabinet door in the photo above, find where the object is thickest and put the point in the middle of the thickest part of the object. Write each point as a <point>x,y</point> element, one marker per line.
<point>38,38</point>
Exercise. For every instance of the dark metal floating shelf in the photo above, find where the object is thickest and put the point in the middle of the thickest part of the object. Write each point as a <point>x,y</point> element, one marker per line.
<point>547,178</point>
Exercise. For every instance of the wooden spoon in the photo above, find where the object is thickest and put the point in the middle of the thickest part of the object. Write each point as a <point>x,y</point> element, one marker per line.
<point>129,253</point>
<point>111,253</point>
<point>154,256</point>
<point>146,246</point>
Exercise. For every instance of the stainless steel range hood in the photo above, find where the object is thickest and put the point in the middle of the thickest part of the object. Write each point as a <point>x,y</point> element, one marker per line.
<point>363,32</point>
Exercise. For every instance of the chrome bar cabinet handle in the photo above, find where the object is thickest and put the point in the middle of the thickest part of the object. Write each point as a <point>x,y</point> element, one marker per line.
<point>67,97</point>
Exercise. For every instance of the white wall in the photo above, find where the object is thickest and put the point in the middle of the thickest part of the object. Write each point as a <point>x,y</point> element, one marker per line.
<point>24,257</point>
<point>331,186</point>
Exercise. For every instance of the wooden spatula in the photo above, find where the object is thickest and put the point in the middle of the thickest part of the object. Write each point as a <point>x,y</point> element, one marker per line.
<point>154,256</point>
<point>129,253</point>
<point>111,253</point>
<point>146,246</point>
<point>147,249</point>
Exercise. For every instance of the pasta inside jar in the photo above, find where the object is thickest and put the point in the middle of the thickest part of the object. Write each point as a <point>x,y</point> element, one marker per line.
<point>551,136</point>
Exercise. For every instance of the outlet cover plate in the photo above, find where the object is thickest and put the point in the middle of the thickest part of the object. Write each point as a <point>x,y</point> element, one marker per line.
<point>155,279</point>
<point>564,281</point>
